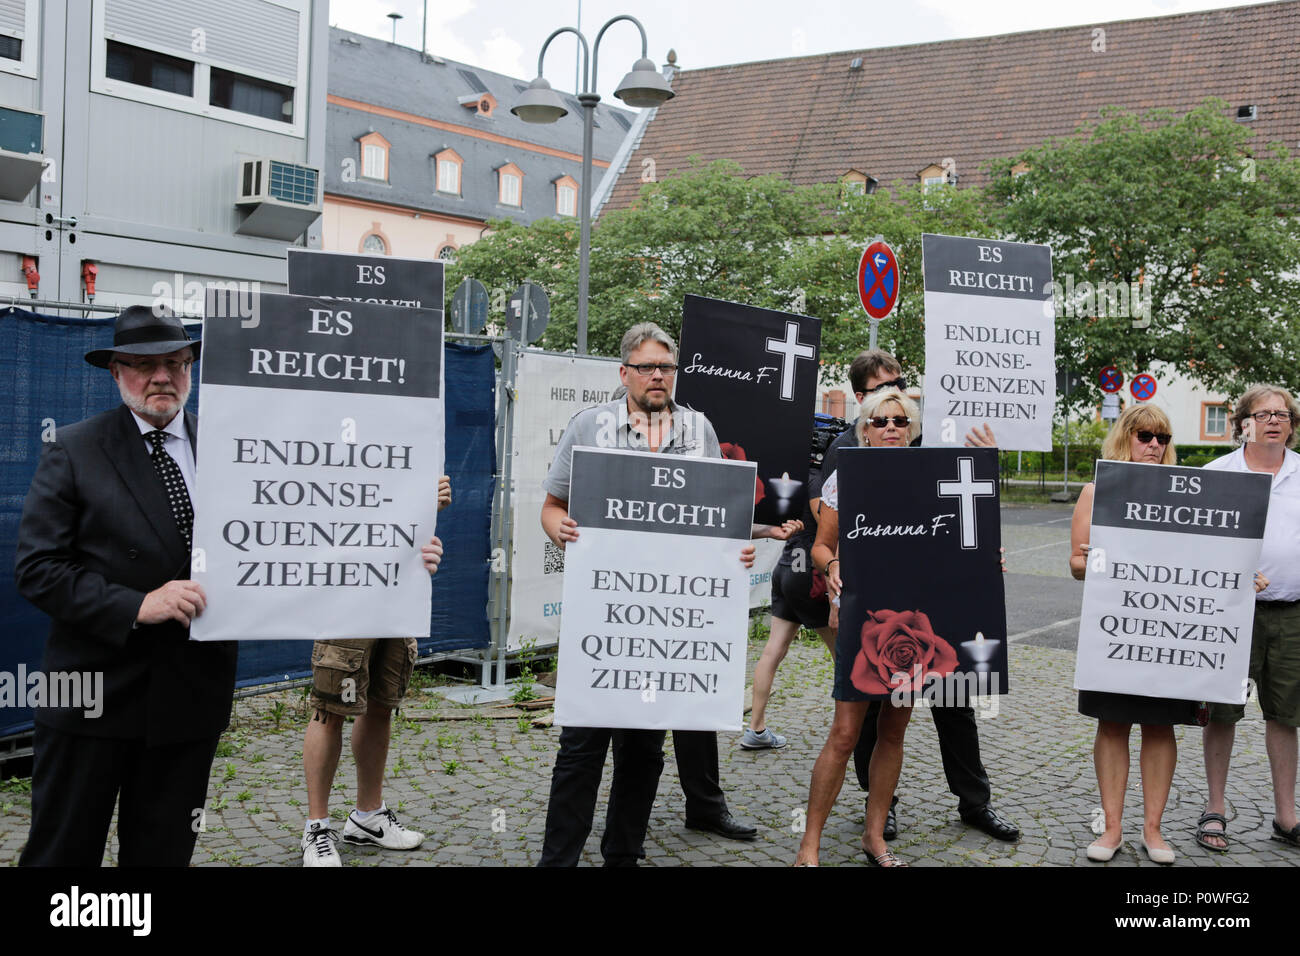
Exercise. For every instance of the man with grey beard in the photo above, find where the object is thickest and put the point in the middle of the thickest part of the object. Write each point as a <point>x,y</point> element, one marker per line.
<point>104,550</point>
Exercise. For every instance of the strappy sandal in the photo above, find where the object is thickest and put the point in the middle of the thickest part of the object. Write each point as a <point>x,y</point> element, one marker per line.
<point>1202,833</point>
<point>1291,836</point>
<point>886,859</point>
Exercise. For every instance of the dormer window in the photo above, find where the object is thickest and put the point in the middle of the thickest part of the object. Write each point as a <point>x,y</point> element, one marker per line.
<point>856,182</point>
<point>482,103</point>
<point>374,156</point>
<point>933,177</point>
<point>448,169</point>
<point>566,196</point>
<point>510,185</point>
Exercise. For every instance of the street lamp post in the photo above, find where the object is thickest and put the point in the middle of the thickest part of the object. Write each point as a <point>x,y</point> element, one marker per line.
<point>642,87</point>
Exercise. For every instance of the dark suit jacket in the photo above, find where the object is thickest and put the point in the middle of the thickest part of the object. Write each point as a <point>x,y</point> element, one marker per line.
<point>97,534</point>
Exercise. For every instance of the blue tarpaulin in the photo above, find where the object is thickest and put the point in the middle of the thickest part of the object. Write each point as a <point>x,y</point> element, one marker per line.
<point>44,382</point>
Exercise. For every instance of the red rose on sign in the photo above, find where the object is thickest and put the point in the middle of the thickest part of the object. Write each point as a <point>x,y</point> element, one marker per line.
<point>896,642</point>
<point>736,453</point>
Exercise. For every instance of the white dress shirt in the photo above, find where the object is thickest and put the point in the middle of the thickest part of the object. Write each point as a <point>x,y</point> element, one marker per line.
<point>1280,559</point>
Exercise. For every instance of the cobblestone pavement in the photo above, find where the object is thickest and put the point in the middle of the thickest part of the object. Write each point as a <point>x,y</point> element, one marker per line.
<point>476,779</point>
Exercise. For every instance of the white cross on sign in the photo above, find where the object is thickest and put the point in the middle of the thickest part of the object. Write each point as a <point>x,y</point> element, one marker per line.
<point>967,489</point>
<point>789,348</point>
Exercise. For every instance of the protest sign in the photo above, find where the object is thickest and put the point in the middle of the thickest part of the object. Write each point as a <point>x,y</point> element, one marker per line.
<point>753,373</point>
<point>990,341</point>
<point>923,613</point>
<point>322,443</point>
<point>1169,597</point>
<point>550,390</point>
<point>382,280</point>
<point>655,596</point>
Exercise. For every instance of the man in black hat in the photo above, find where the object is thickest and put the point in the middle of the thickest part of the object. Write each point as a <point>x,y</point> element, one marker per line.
<point>104,550</point>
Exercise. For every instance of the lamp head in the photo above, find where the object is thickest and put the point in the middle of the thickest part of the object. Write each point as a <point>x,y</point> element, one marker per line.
<point>644,86</point>
<point>539,103</point>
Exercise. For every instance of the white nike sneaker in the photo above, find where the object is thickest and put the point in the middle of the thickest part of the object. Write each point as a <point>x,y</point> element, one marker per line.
<point>382,829</point>
<point>318,846</point>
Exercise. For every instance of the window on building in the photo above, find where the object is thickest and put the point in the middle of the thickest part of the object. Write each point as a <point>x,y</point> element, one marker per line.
<point>930,183</point>
<point>11,48</point>
<point>566,201</point>
<point>448,171</point>
<point>374,244</point>
<point>374,161</point>
<point>566,196</point>
<point>510,188</point>
<point>374,156</point>
<point>158,71</point>
<point>244,94</point>
<point>857,183</point>
<point>447,253</point>
<point>1214,420</point>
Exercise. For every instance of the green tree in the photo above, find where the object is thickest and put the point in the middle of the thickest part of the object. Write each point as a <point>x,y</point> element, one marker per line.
<point>706,230</point>
<point>1191,208</point>
<point>826,269</point>
<point>545,251</point>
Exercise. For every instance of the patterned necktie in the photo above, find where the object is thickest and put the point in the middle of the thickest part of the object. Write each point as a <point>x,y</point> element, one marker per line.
<point>177,495</point>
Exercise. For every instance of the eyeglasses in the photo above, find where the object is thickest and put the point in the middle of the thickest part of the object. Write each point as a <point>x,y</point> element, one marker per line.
<point>173,366</point>
<point>648,368</point>
<point>1145,437</point>
<point>901,421</point>
<point>899,382</point>
<point>1263,417</point>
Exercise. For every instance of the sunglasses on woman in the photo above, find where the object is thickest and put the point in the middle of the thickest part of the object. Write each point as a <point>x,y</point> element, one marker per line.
<point>900,421</point>
<point>1161,437</point>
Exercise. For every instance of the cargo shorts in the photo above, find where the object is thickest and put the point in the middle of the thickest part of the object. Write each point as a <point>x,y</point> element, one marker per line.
<point>348,674</point>
<point>1274,665</point>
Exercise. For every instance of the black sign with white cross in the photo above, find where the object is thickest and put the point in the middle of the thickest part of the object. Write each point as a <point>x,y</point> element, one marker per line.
<point>753,373</point>
<point>923,589</point>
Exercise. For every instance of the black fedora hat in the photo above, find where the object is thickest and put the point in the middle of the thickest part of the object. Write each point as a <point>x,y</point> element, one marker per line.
<point>140,330</point>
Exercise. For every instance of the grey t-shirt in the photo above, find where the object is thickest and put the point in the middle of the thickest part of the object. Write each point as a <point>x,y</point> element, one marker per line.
<point>607,426</point>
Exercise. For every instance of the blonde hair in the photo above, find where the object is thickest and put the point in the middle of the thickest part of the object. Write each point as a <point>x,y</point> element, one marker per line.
<point>1254,394</point>
<point>1118,445</point>
<point>873,402</point>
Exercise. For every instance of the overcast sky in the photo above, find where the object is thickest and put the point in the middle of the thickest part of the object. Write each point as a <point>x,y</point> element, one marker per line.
<point>507,35</point>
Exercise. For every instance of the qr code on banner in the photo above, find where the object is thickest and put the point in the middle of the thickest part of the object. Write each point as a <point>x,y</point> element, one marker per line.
<point>552,559</point>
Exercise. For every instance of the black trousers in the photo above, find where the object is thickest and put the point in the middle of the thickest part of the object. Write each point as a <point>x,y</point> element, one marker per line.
<point>697,768</point>
<point>160,792</point>
<point>638,764</point>
<point>959,745</point>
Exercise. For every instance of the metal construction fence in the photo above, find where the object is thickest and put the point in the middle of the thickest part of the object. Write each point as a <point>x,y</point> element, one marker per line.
<point>44,382</point>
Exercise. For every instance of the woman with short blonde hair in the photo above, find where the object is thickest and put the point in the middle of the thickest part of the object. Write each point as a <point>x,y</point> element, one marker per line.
<point>871,408</point>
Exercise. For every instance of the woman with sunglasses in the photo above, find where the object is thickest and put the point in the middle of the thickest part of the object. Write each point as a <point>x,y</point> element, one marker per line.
<point>1142,434</point>
<point>888,419</point>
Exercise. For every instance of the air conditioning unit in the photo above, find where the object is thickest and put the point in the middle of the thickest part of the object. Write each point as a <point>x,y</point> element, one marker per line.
<point>282,199</point>
<point>22,139</point>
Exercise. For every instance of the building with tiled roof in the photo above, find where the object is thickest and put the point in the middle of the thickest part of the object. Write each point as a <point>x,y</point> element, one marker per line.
<point>896,114</point>
<point>422,151</point>
<point>935,113</point>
